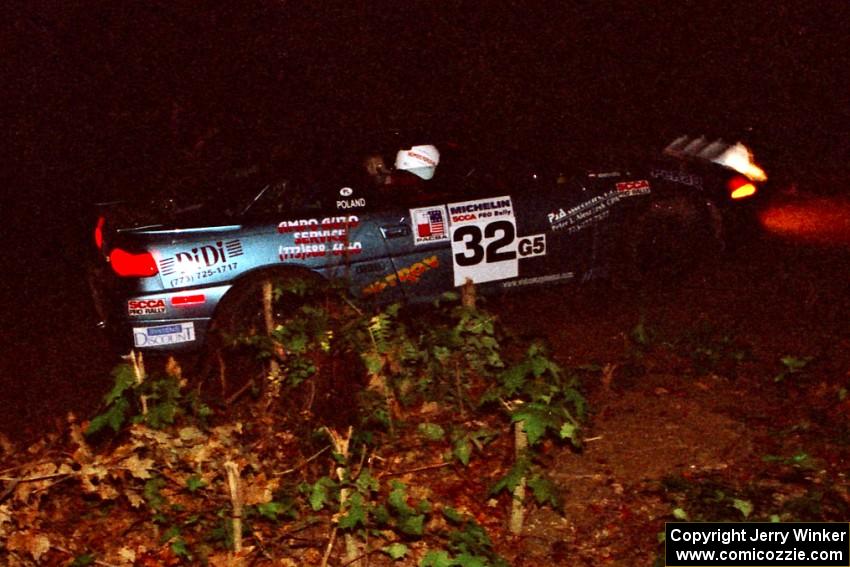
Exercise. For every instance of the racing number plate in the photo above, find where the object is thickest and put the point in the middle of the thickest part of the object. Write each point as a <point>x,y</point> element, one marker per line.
<point>485,246</point>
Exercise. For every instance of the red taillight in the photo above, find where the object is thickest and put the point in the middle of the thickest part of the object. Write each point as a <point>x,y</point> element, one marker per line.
<point>98,233</point>
<point>127,264</point>
<point>741,187</point>
<point>187,300</point>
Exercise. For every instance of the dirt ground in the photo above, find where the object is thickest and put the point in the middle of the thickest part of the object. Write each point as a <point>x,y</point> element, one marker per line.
<point>702,406</point>
<point>693,413</point>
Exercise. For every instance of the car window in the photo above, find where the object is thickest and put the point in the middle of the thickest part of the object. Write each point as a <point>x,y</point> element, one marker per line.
<point>282,197</point>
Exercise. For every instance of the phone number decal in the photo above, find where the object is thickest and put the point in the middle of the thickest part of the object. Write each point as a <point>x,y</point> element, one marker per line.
<point>187,279</point>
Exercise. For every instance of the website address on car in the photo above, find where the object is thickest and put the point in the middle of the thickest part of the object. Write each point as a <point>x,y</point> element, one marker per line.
<point>708,555</point>
<point>539,280</point>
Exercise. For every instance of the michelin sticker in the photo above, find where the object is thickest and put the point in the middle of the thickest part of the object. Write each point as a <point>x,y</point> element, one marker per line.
<point>164,334</point>
<point>485,246</point>
<point>430,224</point>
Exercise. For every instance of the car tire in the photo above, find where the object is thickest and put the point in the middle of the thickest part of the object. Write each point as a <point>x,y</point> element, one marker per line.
<point>667,240</point>
<point>238,367</point>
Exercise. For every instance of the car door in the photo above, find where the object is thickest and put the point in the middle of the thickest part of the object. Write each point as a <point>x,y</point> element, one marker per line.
<point>495,235</point>
<point>445,238</point>
<point>416,240</point>
<point>341,238</point>
<point>570,213</point>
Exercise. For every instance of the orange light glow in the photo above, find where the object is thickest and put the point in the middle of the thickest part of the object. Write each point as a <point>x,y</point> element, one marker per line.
<point>745,190</point>
<point>820,220</point>
<point>740,187</point>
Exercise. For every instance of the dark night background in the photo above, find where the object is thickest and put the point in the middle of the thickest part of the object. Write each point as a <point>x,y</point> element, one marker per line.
<point>105,98</point>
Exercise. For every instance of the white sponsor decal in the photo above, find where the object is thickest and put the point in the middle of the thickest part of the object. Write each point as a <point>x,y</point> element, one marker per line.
<point>430,224</point>
<point>358,203</point>
<point>584,214</point>
<point>596,209</point>
<point>327,223</point>
<point>138,307</point>
<point>164,334</point>
<point>199,263</point>
<point>531,246</point>
<point>483,234</point>
<point>307,251</point>
<point>539,280</point>
<point>485,246</point>
<point>680,177</point>
<point>200,258</point>
<point>316,238</point>
<point>346,191</point>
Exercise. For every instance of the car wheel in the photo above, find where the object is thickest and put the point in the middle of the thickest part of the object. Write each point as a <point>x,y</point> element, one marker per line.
<point>668,240</point>
<point>296,341</point>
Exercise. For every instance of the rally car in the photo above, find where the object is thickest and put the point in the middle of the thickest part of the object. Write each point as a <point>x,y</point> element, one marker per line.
<point>164,278</point>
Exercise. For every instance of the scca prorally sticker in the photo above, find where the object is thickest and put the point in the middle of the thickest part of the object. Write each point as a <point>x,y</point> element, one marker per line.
<point>485,246</point>
<point>139,307</point>
<point>430,224</point>
<point>630,188</point>
<point>164,335</point>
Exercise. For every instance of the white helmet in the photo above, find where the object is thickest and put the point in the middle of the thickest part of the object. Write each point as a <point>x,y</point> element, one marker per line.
<point>419,160</point>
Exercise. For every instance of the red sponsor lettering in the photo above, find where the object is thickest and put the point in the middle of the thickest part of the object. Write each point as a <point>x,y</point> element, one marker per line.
<point>146,303</point>
<point>633,185</point>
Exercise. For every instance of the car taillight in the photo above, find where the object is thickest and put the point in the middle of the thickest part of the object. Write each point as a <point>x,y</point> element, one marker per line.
<point>127,264</point>
<point>98,233</point>
<point>741,187</point>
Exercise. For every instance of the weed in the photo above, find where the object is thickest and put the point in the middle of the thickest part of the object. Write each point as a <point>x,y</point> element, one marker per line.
<point>793,366</point>
<point>155,400</point>
<point>713,350</point>
<point>454,359</point>
<point>714,500</point>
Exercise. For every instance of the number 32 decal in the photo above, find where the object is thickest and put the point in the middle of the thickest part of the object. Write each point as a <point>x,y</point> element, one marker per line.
<point>499,235</point>
<point>491,252</point>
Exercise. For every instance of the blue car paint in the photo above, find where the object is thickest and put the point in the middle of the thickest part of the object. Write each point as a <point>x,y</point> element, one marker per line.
<point>371,248</point>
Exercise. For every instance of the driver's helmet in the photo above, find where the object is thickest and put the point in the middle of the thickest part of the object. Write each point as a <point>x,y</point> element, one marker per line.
<point>419,160</point>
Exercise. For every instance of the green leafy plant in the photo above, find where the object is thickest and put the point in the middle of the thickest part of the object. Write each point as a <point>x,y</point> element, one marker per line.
<point>793,366</point>
<point>464,441</point>
<point>453,360</point>
<point>796,459</point>
<point>712,349</point>
<point>156,400</point>
<point>541,401</point>
<point>466,544</point>
<point>546,399</point>
<point>462,349</point>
